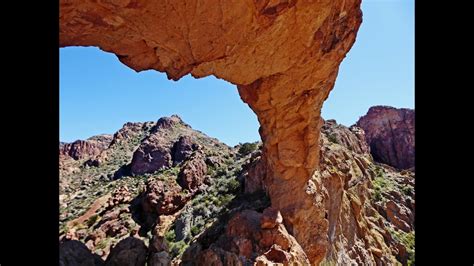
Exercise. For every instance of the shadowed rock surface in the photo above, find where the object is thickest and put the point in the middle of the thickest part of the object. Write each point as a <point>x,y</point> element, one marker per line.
<point>390,132</point>
<point>75,253</point>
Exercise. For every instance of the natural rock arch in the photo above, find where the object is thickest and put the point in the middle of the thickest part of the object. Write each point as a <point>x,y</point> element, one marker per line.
<point>282,54</point>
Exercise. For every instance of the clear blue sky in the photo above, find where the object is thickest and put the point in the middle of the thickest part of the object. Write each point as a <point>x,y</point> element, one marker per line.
<point>98,94</point>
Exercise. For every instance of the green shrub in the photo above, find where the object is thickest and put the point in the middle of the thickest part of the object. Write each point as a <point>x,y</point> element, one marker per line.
<point>221,171</point>
<point>406,239</point>
<point>225,199</point>
<point>377,196</point>
<point>332,138</point>
<point>170,236</point>
<point>379,171</point>
<point>177,248</point>
<point>102,243</point>
<point>195,230</point>
<point>407,190</point>
<point>247,148</point>
<point>91,221</point>
<point>233,185</point>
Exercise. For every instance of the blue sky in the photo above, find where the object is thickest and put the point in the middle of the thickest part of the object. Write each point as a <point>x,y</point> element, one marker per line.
<point>98,94</point>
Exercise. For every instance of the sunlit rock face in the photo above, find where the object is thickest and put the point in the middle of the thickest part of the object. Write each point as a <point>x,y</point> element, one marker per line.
<point>283,55</point>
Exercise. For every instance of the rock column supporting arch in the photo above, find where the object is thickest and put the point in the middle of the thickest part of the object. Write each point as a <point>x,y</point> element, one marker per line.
<point>282,54</point>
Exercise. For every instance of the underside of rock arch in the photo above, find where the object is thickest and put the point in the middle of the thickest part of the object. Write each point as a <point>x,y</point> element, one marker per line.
<point>283,55</point>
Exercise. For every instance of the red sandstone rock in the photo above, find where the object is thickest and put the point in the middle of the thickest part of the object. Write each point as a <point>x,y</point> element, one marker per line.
<point>253,173</point>
<point>271,217</point>
<point>168,122</point>
<point>129,130</point>
<point>192,173</point>
<point>152,155</point>
<point>245,238</point>
<point>163,198</point>
<point>81,149</point>
<point>183,149</point>
<point>352,138</point>
<point>390,133</point>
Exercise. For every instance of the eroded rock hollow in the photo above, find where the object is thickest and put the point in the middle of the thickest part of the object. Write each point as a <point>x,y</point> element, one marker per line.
<point>282,54</point>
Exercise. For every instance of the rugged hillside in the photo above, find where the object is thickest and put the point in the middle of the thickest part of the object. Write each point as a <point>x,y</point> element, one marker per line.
<point>390,133</point>
<point>149,173</point>
<point>164,193</point>
<point>371,208</point>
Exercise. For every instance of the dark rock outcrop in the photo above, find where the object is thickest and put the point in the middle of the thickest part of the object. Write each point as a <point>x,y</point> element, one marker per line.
<point>183,149</point>
<point>128,252</point>
<point>152,155</point>
<point>193,172</point>
<point>75,253</point>
<point>163,197</point>
<point>390,132</point>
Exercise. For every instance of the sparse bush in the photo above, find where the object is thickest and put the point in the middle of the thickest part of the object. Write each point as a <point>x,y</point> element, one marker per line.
<point>210,170</point>
<point>221,171</point>
<point>233,185</point>
<point>177,248</point>
<point>377,196</point>
<point>332,138</point>
<point>91,221</point>
<point>195,230</point>
<point>247,148</point>
<point>170,236</point>
<point>102,243</point>
<point>407,190</point>
<point>406,239</point>
<point>225,199</point>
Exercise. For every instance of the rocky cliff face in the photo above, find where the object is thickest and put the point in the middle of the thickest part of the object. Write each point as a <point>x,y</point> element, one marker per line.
<point>390,132</point>
<point>81,149</point>
<point>360,230</point>
<point>211,205</point>
<point>283,55</point>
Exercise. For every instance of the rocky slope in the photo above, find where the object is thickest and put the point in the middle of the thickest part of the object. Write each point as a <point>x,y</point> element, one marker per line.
<point>371,206</point>
<point>148,175</point>
<point>390,133</point>
<point>164,194</point>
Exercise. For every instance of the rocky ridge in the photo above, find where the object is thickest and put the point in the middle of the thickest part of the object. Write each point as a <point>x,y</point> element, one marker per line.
<point>210,203</point>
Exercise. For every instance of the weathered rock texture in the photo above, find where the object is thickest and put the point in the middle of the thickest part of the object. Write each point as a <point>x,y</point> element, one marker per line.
<point>193,172</point>
<point>81,149</point>
<point>390,133</point>
<point>250,238</point>
<point>163,198</point>
<point>369,204</point>
<point>283,55</point>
